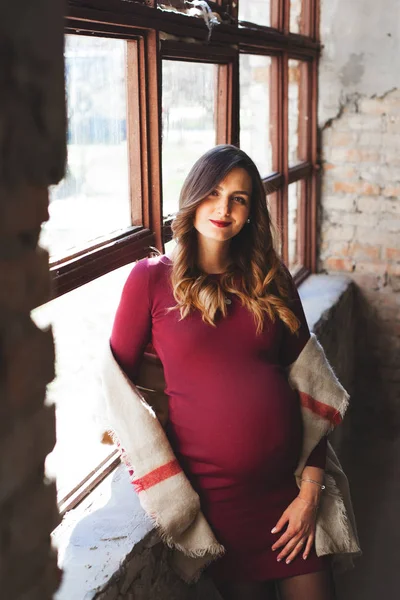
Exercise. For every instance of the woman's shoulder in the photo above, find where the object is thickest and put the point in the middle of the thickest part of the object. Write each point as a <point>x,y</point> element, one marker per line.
<point>153,264</point>
<point>153,269</point>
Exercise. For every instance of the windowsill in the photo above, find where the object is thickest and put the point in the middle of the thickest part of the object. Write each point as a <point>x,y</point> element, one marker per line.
<point>109,526</point>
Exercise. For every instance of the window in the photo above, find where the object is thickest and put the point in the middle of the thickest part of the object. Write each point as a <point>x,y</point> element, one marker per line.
<point>149,90</point>
<point>296,16</point>
<point>188,123</point>
<point>255,11</point>
<point>255,125</point>
<point>93,199</point>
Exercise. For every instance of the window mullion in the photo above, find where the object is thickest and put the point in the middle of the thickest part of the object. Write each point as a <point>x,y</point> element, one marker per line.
<point>150,77</point>
<point>312,198</point>
<point>285,154</point>
<point>134,132</point>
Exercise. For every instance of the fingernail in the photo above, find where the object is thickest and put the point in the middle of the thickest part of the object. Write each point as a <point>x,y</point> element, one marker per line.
<point>273,549</point>
<point>305,557</point>
<point>273,530</point>
<point>279,559</point>
<point>288,561</point>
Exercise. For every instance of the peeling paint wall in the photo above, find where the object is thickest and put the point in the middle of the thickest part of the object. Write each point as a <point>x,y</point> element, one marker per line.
<point>359,117</point>
<point>361,40</point>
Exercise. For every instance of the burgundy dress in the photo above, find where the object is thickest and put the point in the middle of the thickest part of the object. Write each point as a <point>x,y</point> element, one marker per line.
<point>234,421</point>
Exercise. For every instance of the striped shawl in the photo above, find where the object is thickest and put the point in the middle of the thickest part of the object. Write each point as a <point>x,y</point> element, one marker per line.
<point>166,494</point>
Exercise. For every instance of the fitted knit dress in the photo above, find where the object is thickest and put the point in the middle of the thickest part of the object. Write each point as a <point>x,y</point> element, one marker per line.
<point>234,421</point>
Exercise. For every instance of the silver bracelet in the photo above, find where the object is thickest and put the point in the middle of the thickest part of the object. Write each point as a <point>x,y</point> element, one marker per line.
<point>321,485</point>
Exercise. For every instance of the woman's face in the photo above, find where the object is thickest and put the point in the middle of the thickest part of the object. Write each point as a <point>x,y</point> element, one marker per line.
<point>225,211</point>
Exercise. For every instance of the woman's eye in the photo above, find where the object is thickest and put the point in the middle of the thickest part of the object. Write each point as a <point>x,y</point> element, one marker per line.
<point>214,193</point>
<point>240,199</point>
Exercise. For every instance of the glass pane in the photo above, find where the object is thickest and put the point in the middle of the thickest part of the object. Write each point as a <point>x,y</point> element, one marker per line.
<point>93,199</point>
<point>81,322</point>
<point>188,123</point>
<point>272,203</point>
<point>255,125</point>
<point>297,113</point>
<point>295,222</point>
<point>295,16</point>
<point>255,11</point>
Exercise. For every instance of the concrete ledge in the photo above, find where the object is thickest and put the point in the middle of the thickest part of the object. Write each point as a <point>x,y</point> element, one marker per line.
<point>107,546</point>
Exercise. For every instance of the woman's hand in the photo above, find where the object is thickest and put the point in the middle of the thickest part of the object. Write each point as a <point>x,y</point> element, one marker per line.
<point>299,536</point>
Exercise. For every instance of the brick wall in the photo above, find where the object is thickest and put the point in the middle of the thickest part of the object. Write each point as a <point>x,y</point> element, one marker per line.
<point>360,235</point>
<point>32,154</point>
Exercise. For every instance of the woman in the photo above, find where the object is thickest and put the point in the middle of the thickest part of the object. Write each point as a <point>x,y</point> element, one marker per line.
<point>225,319</point>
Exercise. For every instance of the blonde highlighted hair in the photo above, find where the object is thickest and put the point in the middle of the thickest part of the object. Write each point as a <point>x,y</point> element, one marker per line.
<point>256,274</point>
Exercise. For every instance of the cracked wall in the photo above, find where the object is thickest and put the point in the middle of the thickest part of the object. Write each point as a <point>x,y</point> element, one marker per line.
<point>360,51</point>
<point>359,234</point>
<point>360,193</point>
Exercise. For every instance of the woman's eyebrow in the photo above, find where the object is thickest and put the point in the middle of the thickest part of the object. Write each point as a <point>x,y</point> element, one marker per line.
<point>218,187</point>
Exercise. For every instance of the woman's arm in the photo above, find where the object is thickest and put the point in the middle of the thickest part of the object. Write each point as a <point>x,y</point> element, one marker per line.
<point>131,331</point>
<point>292,345</point>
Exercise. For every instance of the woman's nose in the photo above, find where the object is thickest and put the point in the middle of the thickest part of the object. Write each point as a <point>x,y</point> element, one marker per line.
<point>223,207</point>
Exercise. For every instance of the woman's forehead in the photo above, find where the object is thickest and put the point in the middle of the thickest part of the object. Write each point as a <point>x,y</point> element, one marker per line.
<point>238,178</point>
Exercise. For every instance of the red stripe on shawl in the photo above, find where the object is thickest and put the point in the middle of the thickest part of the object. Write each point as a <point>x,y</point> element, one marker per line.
<point>319,408</point>
<point>160,474</point>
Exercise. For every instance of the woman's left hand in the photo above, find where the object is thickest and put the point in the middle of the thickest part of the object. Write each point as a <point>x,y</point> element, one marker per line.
<point>299,536</point>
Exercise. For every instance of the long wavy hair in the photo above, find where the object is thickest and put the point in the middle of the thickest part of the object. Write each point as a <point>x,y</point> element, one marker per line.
<point>255,274</point>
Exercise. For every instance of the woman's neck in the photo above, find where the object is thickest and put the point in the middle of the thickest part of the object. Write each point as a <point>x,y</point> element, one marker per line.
<point>212,256</point>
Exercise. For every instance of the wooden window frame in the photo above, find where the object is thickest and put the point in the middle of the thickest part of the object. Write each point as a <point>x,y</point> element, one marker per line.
<point>152,35</point>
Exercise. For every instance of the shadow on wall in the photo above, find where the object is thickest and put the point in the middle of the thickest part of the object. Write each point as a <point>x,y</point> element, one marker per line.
<point>371,458</point>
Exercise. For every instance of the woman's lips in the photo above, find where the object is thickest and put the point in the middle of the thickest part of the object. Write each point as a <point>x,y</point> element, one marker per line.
<point>220,223</point>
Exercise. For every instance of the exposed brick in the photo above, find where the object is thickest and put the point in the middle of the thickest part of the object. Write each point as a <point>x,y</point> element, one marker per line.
<point>373,123</point>
<point>392,191</point>
<point>369,204</point>
<point>336,233</point>
<point>341,138</point>
<point>364,251</point>
<point>393,124</point>
<point>360,187</point>
<point>391,206</point>
<point>376,236</point>
<point>354,155</point>
<point>340,264</point>
<point>372,106</point>
<point>376,268</point>
<point>389,223</point>
<point>352,218</point>
<point>392,254</point>
<point>345,202</point>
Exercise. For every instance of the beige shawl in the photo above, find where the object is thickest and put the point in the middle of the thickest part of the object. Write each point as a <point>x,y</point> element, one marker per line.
<point>134,414</point>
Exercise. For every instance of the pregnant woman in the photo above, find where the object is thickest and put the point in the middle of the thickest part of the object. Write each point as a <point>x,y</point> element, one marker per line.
<point>225,319</point>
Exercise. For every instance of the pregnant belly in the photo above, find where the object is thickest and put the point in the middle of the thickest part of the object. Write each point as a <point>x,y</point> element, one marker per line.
<point>250,433</point>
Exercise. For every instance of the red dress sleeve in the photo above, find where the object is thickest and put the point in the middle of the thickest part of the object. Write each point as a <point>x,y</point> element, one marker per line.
<point>292,345</point>
<point>131,331</point>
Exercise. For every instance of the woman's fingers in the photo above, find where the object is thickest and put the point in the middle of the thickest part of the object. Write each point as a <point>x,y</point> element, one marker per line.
<point>284,539</point>
<point>289,547</point>
<point>281,523</point>
<point>296,550</point>
<point>308,547</point>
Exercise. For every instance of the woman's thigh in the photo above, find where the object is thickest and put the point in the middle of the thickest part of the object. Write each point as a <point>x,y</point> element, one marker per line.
<point>247,591</point>
<point>311,586</point>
